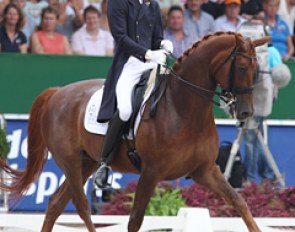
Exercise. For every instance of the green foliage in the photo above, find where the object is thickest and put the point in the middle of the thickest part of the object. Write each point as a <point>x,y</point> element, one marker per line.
<point>165,202</point>
<point>3,144</point>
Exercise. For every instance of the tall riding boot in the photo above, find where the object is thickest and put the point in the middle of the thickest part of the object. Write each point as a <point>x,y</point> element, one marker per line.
<point>110,147</point>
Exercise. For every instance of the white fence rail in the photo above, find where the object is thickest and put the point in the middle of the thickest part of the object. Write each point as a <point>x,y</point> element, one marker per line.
<point>188,220</point>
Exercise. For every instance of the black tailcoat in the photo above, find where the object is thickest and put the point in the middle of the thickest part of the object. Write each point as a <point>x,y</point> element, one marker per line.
<point>136,28</point>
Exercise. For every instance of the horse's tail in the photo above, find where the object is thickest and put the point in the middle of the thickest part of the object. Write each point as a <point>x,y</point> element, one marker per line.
<point>20,181</point>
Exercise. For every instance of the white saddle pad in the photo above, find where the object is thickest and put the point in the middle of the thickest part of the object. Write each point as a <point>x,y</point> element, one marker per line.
<point>91,113</point>
<point>93,106</point>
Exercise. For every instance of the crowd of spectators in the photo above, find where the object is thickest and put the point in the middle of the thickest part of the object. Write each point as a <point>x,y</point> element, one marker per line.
<point>81,26</point>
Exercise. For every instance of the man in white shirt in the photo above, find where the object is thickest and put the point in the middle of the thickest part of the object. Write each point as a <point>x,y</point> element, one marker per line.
<point>91,39</point>
<point>231,20</point>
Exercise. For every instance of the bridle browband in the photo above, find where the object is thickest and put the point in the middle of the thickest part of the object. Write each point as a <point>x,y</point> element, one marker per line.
<point>227,95</point>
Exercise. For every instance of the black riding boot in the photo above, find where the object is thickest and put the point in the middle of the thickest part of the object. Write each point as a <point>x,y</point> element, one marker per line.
<point>110,147</point>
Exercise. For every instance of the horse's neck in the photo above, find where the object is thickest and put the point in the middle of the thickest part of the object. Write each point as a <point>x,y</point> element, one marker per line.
<point>186,104</point>
<point>196,68</point>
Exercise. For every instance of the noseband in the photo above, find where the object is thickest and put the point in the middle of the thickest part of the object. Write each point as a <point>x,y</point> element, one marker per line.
<point>227,95</point>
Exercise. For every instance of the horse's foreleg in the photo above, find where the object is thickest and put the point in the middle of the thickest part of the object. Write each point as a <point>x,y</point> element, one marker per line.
<point>144,191</point>
<point>56,205</point>
<point>215,181</point>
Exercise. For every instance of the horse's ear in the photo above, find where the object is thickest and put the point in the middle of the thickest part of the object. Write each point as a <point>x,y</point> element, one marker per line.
<point>261,41</point>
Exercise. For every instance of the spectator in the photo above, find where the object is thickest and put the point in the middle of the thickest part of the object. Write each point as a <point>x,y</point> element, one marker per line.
<point>12,39</point>
<point>196,21</point>
<point>29,23</point>
<point>231,20</point>
<point>67,24</point>
<point>287,12</point>
<point>213,7</point>
<point>263,96</point>
<point>279,29</point>
<point>175,32</point>
<point>91,39</point>
<point>46,40</point>
<point>251,9</point>
<point>34,9</point>
<point>166,4</point>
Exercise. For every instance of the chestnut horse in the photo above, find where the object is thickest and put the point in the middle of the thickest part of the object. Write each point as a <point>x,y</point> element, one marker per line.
<point>181,140</point>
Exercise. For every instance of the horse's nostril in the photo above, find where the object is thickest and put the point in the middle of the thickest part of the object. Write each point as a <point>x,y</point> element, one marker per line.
<point>246,114</point>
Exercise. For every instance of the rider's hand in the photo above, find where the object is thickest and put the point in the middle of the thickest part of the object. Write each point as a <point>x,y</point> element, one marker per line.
<point>167,45</point>
<point>157,56</point>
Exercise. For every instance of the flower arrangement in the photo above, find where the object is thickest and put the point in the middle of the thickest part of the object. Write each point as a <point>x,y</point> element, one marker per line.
<point>264,200</point>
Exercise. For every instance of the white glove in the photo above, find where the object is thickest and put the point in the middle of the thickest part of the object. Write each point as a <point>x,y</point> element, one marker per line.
<point>157,56</point>
<point>167,45</point>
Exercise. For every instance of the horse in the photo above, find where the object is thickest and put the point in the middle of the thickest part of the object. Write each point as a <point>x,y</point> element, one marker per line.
<point>180,140</point>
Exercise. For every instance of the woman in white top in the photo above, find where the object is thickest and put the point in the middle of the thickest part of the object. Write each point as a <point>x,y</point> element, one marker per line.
<point>91,39</point>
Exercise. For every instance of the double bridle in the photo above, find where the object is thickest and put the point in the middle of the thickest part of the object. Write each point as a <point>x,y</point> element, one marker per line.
<point>227,95</point>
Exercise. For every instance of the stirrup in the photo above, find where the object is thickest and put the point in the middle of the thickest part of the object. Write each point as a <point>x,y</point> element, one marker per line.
<point>105,181</point>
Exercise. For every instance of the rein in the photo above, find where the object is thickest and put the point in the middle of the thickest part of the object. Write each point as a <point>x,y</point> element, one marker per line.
<point>226,95</point>
<point>197,88</point>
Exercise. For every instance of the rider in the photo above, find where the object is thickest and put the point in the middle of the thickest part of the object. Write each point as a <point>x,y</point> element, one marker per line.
<point>137,29</point>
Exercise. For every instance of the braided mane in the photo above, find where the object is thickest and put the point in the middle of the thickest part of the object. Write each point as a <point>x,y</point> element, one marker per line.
<point>196,44</point>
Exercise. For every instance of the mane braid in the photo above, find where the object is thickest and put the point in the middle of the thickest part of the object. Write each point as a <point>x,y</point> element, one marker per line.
<point>196,44</point>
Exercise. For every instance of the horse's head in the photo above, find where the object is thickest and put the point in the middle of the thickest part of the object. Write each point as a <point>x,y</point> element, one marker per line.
<point>237,82</point>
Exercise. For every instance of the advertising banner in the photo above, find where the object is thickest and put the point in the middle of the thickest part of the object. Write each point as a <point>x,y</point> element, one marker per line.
<point>36,199</point>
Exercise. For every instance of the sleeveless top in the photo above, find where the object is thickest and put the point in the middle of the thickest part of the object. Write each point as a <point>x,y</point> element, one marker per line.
<point>54,45</point>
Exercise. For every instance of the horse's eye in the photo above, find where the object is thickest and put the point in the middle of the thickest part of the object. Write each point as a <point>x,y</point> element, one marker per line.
<point>242,70</point>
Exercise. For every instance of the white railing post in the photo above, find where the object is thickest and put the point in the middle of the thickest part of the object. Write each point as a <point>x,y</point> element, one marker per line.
<point>195,219</point>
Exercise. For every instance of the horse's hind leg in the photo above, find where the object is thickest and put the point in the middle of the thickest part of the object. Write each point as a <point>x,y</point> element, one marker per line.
<point>144,191</point>
<point>61,197</point>
<point>215,181</point>
<point>79,168</point>
<point>56,205</point>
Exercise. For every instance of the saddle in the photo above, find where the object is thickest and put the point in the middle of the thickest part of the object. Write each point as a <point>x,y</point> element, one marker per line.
<point>138,96</point>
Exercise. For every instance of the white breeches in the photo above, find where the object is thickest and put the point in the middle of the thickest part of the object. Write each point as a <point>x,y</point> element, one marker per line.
<point>129,77</point>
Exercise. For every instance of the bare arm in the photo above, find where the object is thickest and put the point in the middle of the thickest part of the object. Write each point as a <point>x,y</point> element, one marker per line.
<point>68,49</point>
<point>23,48</point>
<point>2,6</point>
<point>35,44</point>
<point>77,6</point>
<point>290,49</point>
<point>110,52</point>
<point>77,53</point>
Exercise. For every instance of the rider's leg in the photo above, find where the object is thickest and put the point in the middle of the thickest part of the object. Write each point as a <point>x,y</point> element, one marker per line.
<point>128,79</point>
<point>110,147</point>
